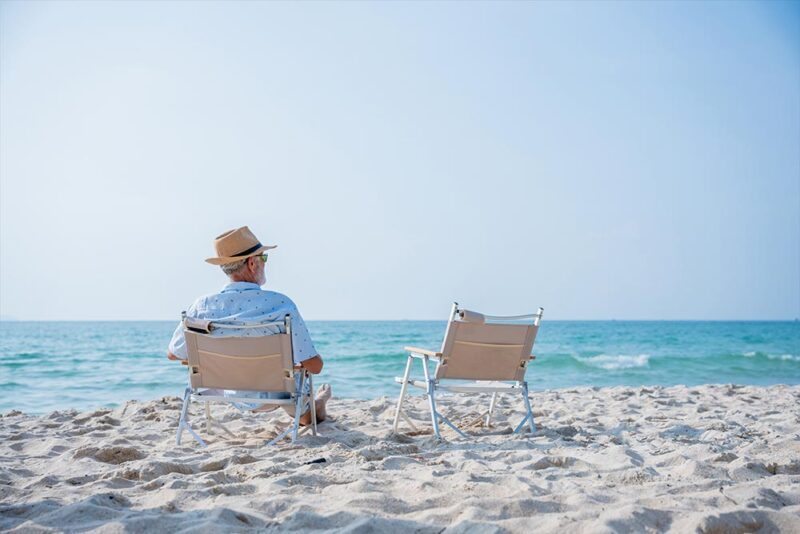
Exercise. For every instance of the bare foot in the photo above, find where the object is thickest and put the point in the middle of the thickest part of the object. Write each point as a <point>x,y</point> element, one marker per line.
<point>324,392</point>
<point>323,396</point>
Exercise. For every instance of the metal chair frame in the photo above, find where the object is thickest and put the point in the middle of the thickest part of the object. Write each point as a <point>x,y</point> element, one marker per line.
<point>431,385</point>
<point>296,398</point>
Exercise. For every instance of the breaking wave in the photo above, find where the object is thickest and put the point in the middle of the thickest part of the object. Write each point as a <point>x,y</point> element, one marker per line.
<point>784,357</point>
<point>781,357</point>
<point>613,362</point>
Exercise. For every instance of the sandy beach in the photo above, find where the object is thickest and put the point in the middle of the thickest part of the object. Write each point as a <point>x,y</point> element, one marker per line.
<point>713,459</point>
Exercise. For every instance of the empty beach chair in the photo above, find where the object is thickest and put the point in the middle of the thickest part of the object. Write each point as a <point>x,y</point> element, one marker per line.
<point>254,364</point>
<point>492,351</point>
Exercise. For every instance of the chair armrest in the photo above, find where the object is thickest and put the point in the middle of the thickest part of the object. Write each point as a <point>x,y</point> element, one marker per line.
<point>424,352</point>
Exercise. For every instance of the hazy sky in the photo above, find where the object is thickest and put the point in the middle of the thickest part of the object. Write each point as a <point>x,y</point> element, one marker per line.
<point>632,160</point>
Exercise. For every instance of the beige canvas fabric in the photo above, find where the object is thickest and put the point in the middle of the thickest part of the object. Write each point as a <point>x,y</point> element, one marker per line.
<point>261,363</point>
<point>198,325</point>
<point>471,317</point>
<point>479,351</point>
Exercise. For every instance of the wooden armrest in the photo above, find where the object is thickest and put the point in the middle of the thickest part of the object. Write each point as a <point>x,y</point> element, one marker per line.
<point>424,352</point>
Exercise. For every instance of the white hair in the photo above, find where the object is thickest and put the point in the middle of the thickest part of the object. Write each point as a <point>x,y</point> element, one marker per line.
<point>235,267</point>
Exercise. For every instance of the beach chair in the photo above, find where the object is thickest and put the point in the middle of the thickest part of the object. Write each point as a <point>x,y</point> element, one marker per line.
<point>492,351</point>
<point>258,363</point>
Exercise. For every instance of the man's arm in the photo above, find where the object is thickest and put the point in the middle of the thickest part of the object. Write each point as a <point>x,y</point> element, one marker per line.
<point>176,350</point>
<point>301,342</point>
<point>312,365</point>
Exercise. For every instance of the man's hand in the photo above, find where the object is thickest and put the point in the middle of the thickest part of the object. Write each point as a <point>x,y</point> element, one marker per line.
<point>172,357</point>
<point>312,365</point>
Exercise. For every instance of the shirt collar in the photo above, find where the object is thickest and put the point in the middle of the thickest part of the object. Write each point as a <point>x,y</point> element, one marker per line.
<point>240,286</point>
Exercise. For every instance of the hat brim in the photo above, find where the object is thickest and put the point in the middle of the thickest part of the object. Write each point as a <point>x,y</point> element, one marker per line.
<point>232,259</point>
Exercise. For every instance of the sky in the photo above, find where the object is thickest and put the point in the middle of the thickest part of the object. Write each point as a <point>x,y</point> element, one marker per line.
<point>626,160</point>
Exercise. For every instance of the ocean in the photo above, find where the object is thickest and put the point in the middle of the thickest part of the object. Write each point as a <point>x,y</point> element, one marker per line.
<point>47,366</point>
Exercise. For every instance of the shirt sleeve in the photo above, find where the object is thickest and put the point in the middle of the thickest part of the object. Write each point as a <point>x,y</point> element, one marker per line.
<point>301,340</point>
<point>177,345</point>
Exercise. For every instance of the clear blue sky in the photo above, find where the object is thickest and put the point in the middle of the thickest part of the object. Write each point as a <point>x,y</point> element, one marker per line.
<point>634,160</point>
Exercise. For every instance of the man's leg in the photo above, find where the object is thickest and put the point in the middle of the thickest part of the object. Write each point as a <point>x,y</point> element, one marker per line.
<point>324,393</point>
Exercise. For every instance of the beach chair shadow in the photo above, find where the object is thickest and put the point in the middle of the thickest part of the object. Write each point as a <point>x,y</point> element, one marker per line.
<point>253,364</point>
<point>480,354</point>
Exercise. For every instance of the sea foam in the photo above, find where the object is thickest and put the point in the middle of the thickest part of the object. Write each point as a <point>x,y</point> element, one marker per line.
<point>611,362</point>
<point>781,357</point>
<point>784,357</point>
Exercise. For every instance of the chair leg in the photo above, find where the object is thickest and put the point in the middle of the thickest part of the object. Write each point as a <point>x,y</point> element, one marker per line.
<point>280,436</point>
<point>491,409</point>
<point>312,405</point>
<point>300,400</point>
<point>223,427</point>
<point>210,421</point>
<point>182,418</point>
<point>528,412</point>
<point>431,399</point>
<point>409,422</point>
<point>434,413</point>
<point>297,414</point>
<point>184,422</point>
<point>449,423</point>
<point>298,410</point>
<point>526,396</point>
<point>403,391</point>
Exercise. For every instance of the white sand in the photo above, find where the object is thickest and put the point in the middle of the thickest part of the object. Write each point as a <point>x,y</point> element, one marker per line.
<point>711,459</point>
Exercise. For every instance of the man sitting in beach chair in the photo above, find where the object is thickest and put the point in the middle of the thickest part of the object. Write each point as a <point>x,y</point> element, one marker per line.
<point>241,304</point>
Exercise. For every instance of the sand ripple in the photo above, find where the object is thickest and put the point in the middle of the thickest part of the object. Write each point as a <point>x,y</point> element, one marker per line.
<point>709,459</point>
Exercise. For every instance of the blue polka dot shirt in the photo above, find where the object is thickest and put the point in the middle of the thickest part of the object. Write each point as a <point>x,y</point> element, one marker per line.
<point>247,303</point>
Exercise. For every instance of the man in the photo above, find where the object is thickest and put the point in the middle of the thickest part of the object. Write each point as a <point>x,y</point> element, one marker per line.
<point>242,257</point>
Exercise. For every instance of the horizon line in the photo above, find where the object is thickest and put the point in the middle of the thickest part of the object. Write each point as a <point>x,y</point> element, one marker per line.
<point>783,320</point>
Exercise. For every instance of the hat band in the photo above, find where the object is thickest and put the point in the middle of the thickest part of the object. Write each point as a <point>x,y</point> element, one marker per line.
<point>248,251</point>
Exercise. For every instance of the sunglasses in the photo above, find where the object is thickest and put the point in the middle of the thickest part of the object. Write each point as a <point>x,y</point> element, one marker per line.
<point>263,257</point>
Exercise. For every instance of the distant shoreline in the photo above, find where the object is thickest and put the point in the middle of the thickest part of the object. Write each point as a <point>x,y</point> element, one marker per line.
<point>439,320</point>
<point>414,393</point>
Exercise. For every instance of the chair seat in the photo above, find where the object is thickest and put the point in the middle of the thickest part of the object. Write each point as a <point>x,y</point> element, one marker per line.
<point>480,354</point>
<point>474,387</point>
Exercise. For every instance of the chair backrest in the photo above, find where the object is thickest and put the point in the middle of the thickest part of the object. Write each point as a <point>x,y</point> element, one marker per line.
<point>476,349</point>
<point>258,363</point>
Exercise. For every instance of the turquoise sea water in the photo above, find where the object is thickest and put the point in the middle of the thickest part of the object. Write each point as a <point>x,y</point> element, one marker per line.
<point>54,365</point>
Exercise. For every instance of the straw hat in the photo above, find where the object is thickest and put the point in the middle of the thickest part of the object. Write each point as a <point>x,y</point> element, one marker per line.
<point>236,245</point>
